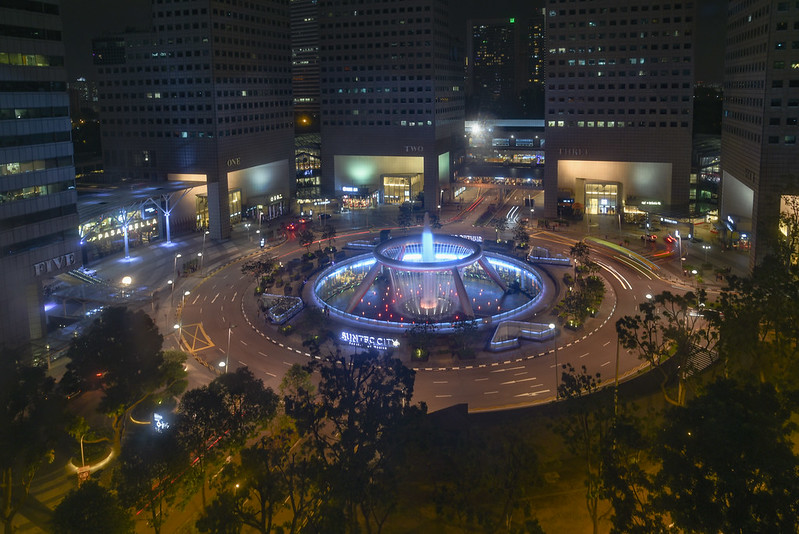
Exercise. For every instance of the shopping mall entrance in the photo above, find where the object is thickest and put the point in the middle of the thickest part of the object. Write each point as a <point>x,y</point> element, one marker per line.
<point>601,199</point>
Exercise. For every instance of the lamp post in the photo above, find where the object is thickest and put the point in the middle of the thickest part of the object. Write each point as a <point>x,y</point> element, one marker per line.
<point>202,252</point>
<point>171,292</point>
<point>679,241</point>
<point>179,328</point>
<point>227,354</point>
<point>175,268</point>
<point>249,237</point>
<point>201,256</point>
<point>82,457</point>
<point>552,327</point>
<point>706,248</point>
<point>183,302</point>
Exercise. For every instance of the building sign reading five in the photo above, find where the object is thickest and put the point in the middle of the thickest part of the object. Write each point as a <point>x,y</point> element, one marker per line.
<point>54,264</point>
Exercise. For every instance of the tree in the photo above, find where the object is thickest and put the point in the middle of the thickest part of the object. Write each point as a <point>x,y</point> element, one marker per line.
<point>329,234</point>
<point>520,234</point>
<point>357,423</point>
<point>464,338</point>
<point>420,337</point>
<point>147,472</point>
<point>259,267</point>
<point>585,428</point>
<point>271,476</point>
<point>91,508</point>
<point>120,353</point>
<point>728,463</point>
<point>667,333</point>
<point>586,290</point>
<point>306,238</point>
<point>224,413</point>
<point>405,216</point>
<point>500,225</point>
<point>32,419</point>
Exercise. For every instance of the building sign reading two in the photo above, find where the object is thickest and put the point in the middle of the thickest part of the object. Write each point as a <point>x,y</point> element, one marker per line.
<point>54,264</point>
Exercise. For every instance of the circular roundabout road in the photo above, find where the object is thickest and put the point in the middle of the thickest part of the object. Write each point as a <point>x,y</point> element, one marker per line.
<point>220,323</point>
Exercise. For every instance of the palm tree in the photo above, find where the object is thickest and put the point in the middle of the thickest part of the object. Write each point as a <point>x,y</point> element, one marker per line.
<point>500,225</point>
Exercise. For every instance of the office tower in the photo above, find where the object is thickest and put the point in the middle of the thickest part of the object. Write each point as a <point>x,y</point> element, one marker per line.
<point>392,100</point>
<point>38,212</point>
<point>619,105</point>
<point>305,62</point>
<point>759,122</point>
<point>204,96</point>
<point>504,66</point>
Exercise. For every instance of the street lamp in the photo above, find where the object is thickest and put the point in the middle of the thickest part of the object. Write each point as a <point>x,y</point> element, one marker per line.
<point>201,256</point>
<point>175,268</point>
<point>203,250</point>
<point>552,327</point>
<point>227,354</point>
<point>179,328</point>
<point>706,248</point>
<point>679,240</point>
<point>249,237</point>
<point>183,303</point>
<point>171,292</point>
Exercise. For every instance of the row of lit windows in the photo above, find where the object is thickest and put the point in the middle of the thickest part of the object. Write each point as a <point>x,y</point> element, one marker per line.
<point>186,134</point>
<point>622,9</point>
<point>620,111</point>
<point>560,73</point>
<point>36,191</point>
<point>617,124</point>
<point>34,113</point>
<point>30,60</point>
<point>18,167</point>
<point>776,139</point>
<point>377,123</point>
<point>650,98</point>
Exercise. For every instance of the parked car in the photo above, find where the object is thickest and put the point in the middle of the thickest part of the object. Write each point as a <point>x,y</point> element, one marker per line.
<point>650,238</point>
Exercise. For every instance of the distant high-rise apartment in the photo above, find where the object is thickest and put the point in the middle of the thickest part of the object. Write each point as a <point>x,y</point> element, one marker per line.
<point>38,212</point>
<point>760,121</point>
<point>392,100</point>
<point>504,65</point>
<point>305,59</point>
<point>204,96</point>
<point>619,85</point>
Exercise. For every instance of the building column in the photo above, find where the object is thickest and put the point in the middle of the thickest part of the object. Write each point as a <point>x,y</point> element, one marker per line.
<point>219,209</point>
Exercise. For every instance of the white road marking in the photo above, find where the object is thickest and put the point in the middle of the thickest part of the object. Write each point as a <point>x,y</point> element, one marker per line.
<point>604,364</point>
<point>243,343</point>
<point>287,363</point>
<point>522,373</point>
<point>270,374</point>
<point>584,355</point>
<point>440,381</point>
<point>517,381</point>
<point>532,393</point>
<point>480,379</point>
<point>490,392</point>
<point>262,354</point>
<point>508,369</point>
<point>442,396</point>
<point>234,297</point>
<point>606,344</point>
<point>214,299</point>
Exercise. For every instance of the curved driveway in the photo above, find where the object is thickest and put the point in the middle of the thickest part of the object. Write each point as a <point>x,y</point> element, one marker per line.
<point>526,376</point>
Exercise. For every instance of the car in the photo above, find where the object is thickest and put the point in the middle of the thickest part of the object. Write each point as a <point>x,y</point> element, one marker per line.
<point>651,238</point>
<point>669,239</point>
<point>304,220</point>
<point>291,226</point>
<point>345,210</point>
<point>323,216</point>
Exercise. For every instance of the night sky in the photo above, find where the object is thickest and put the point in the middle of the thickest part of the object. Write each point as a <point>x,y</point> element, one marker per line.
<point>87,19</point>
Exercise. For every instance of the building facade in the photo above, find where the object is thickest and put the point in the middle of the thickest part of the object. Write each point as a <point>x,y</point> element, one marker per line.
<point>619,104</point>
<point>392,100</point>
<point>38,212</point>
<point>504,66</point>
<point>305,61</point>
<point>204,96</point>
<point>760,121</point>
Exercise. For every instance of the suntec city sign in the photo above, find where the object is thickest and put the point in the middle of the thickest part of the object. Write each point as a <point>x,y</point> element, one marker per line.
<point>372,342</point>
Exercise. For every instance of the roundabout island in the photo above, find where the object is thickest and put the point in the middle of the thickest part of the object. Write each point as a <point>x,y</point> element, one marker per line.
<point>428,278</point>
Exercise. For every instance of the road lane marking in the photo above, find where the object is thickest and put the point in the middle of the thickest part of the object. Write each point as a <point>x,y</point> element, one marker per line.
<point>287,363</point>
<point>440,381</point>
<point>522,373</point>
<point>490,392</point>
<point>480,379</point>
<point>243,342</point>
<point>584,355</point>
<point>604,364</point>
<point>606,344</point>
<point>532,393</point>
<point>508,369</point>
<point>234,297</point>
<point>215,297</point>
<point>262,354</point>
<point>443,396</point>
<point>270,374</point>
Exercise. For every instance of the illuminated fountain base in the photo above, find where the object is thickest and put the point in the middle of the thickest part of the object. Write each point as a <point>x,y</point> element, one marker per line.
<point>439,279</point>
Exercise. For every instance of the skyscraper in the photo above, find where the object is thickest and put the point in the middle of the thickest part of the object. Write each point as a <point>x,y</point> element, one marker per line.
<point>392,99</point>
<point>504,65</point>
<point>204,96</point>
<point>619,104</point>
<point>38,212</point>
<point>760,121</point>
<point>305,60</point>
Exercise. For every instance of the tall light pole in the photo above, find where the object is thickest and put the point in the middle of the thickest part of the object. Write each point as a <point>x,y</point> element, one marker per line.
<point>249,237</point>
<point>179,328</point>
<point>679,241</point>
<point>202,252</point>
<point>175,268</point>
<point>202,257</point>
<point>183,303</point>
<point>552,327</point>
<point>227,354</point>
<point>706,248</point>
<point>171,293</point>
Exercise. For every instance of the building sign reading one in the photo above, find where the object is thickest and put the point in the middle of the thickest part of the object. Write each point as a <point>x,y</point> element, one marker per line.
<point>232,162</point>
<point>54,264</point>
<point>372,342</point>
